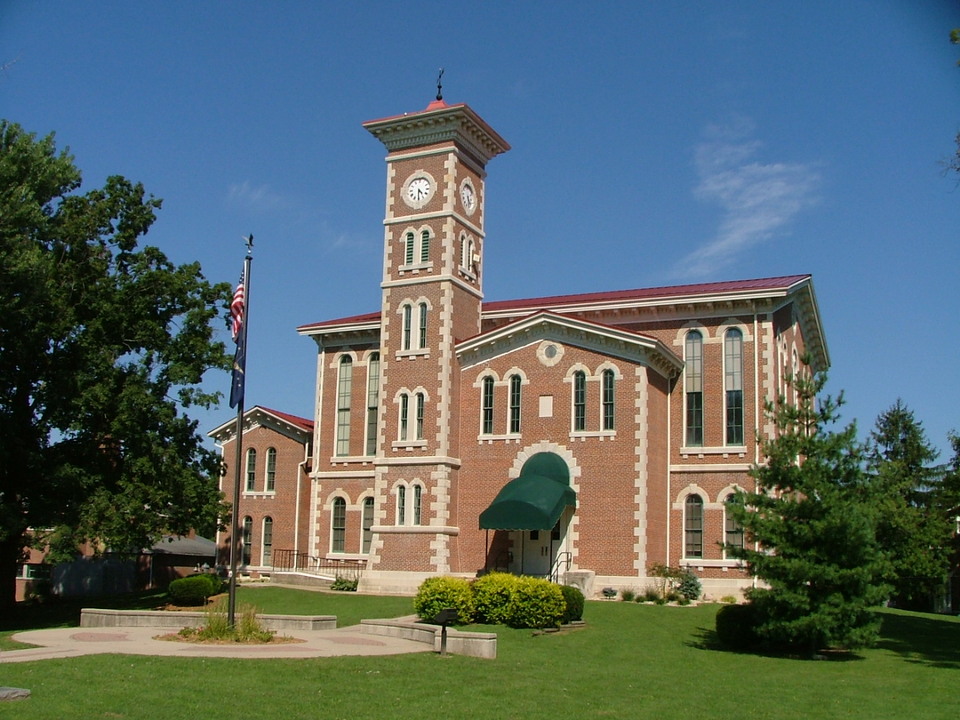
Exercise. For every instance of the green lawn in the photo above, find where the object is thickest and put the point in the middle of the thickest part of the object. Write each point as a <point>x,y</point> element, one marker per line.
<point>630,661</point>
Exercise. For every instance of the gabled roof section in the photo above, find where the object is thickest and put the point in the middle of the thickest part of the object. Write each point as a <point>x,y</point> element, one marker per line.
<point>294,426</point>
<point>573,331</point>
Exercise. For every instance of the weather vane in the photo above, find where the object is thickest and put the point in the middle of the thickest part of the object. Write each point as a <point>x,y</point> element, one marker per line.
<point>249,242</point>
<point>439,85</point>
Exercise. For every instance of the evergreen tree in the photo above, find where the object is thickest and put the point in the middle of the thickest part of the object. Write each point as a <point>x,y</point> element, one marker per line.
<point>102,344</point>
<point>812,524</point>
<point>912,529</point>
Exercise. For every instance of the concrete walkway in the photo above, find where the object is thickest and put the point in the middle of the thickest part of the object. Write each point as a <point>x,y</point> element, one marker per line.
<point>75,641</point>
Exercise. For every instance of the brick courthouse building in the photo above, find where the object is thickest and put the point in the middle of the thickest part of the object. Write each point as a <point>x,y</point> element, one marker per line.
<point>585,437</point>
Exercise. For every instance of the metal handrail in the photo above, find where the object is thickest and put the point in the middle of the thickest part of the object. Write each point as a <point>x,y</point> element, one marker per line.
<point>296,561</point>
<point>563,558</point>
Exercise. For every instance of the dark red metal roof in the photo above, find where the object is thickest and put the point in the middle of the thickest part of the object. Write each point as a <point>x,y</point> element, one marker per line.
<point>302,423</point>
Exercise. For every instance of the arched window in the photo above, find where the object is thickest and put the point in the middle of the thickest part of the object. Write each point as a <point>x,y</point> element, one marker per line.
<point>373,402</point>
<point>733,384</point>
<point>408,249</point>
<point>402,505</point>
<point>267,542</point>
<point>487,400</point>
<point>251,470</point>
<point>246,538</point>
<point>733,531</point>
<point>425,246</point>
<point>693,388</point>
<point>515,383</point>
<point>422,334</point>
<point>407,329</point>
<point>419,421</point>
<point>417,499</point>
<point>404,415</point>
<point>579,400</point>
<point>607,402</point>
<point>344,390</point>
<point>367,525</point>
<point>271,482</point>
<point>693,527</point>
<point>338,525</point>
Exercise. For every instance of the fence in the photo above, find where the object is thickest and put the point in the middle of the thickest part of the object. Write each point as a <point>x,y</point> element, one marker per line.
<point>295,561</point>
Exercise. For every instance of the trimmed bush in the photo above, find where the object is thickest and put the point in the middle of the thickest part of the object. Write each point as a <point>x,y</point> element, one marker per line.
<point>345,584</point>
<point>736,626</point>
<point>535,603</point>
<point>491,597</point>
<point>574,603</point>
<point>193,590</point>
<point>438,593</point>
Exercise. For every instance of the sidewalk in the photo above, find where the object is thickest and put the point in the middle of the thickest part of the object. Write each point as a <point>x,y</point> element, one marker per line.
<point>75,641</point>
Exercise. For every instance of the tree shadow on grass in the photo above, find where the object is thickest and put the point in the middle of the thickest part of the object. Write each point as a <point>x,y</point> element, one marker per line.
<point>58,612</point>
<point>706,639</point>
<point>921,638</point>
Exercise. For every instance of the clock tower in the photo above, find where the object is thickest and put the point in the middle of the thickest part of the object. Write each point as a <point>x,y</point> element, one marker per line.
<point>431,295</point>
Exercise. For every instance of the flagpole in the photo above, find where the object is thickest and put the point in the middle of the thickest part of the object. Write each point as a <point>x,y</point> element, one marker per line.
<point>239,376</point>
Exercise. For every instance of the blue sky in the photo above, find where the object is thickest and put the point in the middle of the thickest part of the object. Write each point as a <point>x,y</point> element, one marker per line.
<point>653,143</point>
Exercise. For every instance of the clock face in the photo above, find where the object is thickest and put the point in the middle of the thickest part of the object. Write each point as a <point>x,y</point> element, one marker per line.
<point>418,190</point>
<point>468,197</point>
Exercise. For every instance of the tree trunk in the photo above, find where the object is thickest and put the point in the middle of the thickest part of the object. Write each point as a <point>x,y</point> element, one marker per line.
<point>11,555</point>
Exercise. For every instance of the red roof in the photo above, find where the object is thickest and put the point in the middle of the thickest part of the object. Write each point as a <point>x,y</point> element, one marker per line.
<point>731,287</point>
<point>302,423</point>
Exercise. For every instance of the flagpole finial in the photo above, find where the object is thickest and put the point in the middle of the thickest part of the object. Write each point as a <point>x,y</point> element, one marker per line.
<point>440,85</point>
<point>249,242</point>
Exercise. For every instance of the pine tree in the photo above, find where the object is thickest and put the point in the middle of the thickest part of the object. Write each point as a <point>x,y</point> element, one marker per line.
<point>813,527</point>
<point>912,530</point>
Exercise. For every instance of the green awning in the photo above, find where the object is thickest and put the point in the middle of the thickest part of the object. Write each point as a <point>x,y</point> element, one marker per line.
<point>533,501</point>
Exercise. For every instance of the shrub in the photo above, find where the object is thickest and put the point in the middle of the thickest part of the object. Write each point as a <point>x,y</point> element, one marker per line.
<point>345,584</point>
<point>438,593</point>
<point>736,626</point>
<point>535,603</point>
<point>628,594</point>
<point>728,599</point>
<point>193,590</point>
<point>574,603</point>
<point>689,585</point>
<point>491,597</point>
<point>651,595</point>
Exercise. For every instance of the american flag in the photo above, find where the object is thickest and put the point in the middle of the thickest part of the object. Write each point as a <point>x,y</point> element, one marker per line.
<point>236,309</point>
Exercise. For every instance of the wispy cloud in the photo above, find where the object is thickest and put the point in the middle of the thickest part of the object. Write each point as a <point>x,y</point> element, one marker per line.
<point>259,198</point>
<point>757,199</point>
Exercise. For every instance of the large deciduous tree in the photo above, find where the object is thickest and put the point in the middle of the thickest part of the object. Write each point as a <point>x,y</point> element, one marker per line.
<point>102,345</point>
<point>812,524</point>
<point>913,528</point>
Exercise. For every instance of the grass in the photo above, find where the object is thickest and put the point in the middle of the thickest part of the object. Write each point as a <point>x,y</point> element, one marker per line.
<point>630,661</point>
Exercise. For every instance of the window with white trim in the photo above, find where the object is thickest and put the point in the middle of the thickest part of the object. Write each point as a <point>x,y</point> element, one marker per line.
<point>367,525</point>
<point>579,400</point>
<point>693,388</point>
<point>344,391</point>
<point>267,542</point>
<point>270,485</point>
<point>733,531</point>
<point>608,383</point>
<point>515,385</point>
<point>373,402</point>
<point>408,249</point>
<point>246,538</point>
<point>419,418</point>
<point>422,334</point>
<point>402,505</point>
<point>693,527</point>
<point>487,406</point>
<point>407,326</point>
<point>733,385</point>
<point>417,502</point>
<point>404,415</point>
<point>338,525</point>
<point>251,470</point>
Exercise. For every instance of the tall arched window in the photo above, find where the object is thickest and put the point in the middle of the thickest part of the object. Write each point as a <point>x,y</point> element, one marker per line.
<point>373,402</point>
<point>408,249</point>
<point>693,388</point>
<point>422,334</point>
<point>251,470</point>
<point>417,500</point>
<point>338,525</point>
<point>733,384</point>
<point>693,527</point>
<point>402,505</point>
<point>267,541</point>
<point>424,246</point>
<point>367,525</point>
<point>579,400</point>
<point>607,400</point>
<point>271,481</point>
<point>419,421</point>
<point>487,400</point>
<point>407,329</point>
<point>733,531</point>
<point>246,538</point>
<point>344,391</point>
<point>515,384</point>
<point>404,415</point>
